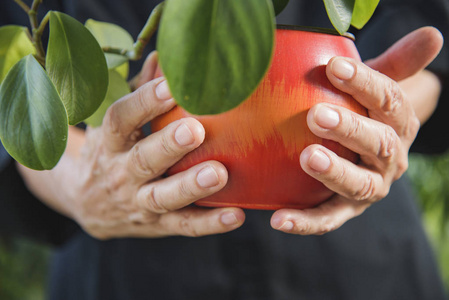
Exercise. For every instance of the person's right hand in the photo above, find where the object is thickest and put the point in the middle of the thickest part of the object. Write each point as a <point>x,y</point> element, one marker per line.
<point>113,184</point>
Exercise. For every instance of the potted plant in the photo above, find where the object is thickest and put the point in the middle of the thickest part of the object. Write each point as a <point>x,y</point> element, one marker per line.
<point>215,55</point>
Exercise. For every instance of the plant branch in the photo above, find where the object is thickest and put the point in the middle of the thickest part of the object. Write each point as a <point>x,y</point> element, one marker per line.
<point>124,52</point>
<point>37,30</point>
<point>143,38</point>
<point>148,30</point>
<point>37,36</point>
<point>41,27</point>
<point>32,14</point>
<point>23,5</point>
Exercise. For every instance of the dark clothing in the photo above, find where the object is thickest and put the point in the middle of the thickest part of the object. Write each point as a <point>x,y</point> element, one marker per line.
<point>383,254</point>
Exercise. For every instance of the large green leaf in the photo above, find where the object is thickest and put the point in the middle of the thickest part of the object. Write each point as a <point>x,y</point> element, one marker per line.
<point>14,44</point>
<point>77,66</point>
<point>363,10</point>
<point>279,6</point>
<point>111,35</point>
<point>214,53</point>
<point>33,120</point>
<point>340,13</point>
<point>118,87</point>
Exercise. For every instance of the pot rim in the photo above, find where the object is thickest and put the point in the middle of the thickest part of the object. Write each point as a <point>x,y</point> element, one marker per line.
<point>316,30</point>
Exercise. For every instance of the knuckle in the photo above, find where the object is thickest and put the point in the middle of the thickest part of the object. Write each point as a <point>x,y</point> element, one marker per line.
<point>393,98</point>
<point>187,227</point>
<point>152,202</point>
<point>116,128</point>
<point>168,146</point>
<point>354,128</point>
<point>140,164</point>
<point>303,225</point>
<point>305,228</point>
<point>327,226</point>
<point>366,191</point>
<point>141,102</point>
<point>366,86</point>
<point>401,168</point>
<point>340,177</point>
<point>111,121</point>
<point>185,190</point>
<point>389,143</point>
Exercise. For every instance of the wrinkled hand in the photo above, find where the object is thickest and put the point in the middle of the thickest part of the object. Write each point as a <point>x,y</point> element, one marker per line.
<point>120,191</point>
<point>383,139</point>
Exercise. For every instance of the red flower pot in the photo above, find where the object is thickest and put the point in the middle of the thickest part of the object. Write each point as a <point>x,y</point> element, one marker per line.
<point>260,141</point>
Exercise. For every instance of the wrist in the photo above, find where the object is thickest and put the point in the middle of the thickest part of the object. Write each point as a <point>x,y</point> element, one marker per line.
<point>57,187</point>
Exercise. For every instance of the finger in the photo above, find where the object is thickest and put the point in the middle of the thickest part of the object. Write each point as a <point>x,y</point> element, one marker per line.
<point>123,120</point>
<point>410,54</point>
<point>195,222</point>
<point>189,221</point>
<point>147,73</point>
<point>424,100</point>
<point>374,141</point>
<point>352,181</point>
<point>322,219</point>
<point>152,156</point>
<point>382,96</point>
<point>182,189</point>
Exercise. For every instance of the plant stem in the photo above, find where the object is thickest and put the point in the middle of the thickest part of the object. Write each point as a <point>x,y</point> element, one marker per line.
<point>118,51</point>
<point>143,38</point>
<point>148,30</point>
<point>32,14</point>
<point>37,37</point>
<point>36,30</point>
<point>23,5</point>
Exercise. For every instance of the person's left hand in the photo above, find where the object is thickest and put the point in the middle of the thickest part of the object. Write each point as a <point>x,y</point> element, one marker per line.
<point>383,139</point>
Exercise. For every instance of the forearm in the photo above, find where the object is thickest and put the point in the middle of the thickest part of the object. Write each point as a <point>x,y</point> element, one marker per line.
<point>53,187</point>
<point>423,91</point>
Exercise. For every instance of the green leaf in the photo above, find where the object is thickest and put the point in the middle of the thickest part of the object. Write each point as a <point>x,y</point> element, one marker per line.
<point>118,87</point>
<point>279,6</point>
<point>214,53</point>
<point>14,44</point>
<point>77,66</point>
<point>33,120</point>
<point>363,10</point>
<point>111,35</point>
<point>340,13</point>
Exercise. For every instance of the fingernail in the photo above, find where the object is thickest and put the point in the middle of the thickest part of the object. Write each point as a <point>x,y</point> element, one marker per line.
<point>319,161</point>
<point>327,117</point>
<point>207,177</point>
<point>162,91</point>
<point>342,69</point>
<point>228,218</point>
<point>288,225</point>
<point>183,135</point>
<point>277,222</point>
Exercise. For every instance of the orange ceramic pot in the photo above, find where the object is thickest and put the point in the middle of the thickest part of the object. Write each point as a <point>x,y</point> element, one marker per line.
<point>261,140</point>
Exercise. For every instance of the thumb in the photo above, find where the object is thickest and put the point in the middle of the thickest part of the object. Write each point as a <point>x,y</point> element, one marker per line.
<point>409,55</point>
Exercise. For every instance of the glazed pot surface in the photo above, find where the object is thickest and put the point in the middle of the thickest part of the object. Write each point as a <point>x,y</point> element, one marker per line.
<point>261,140</point>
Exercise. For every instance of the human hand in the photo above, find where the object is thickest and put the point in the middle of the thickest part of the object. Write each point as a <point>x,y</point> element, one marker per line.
<point>383,139</point>
<point>113,186</point>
